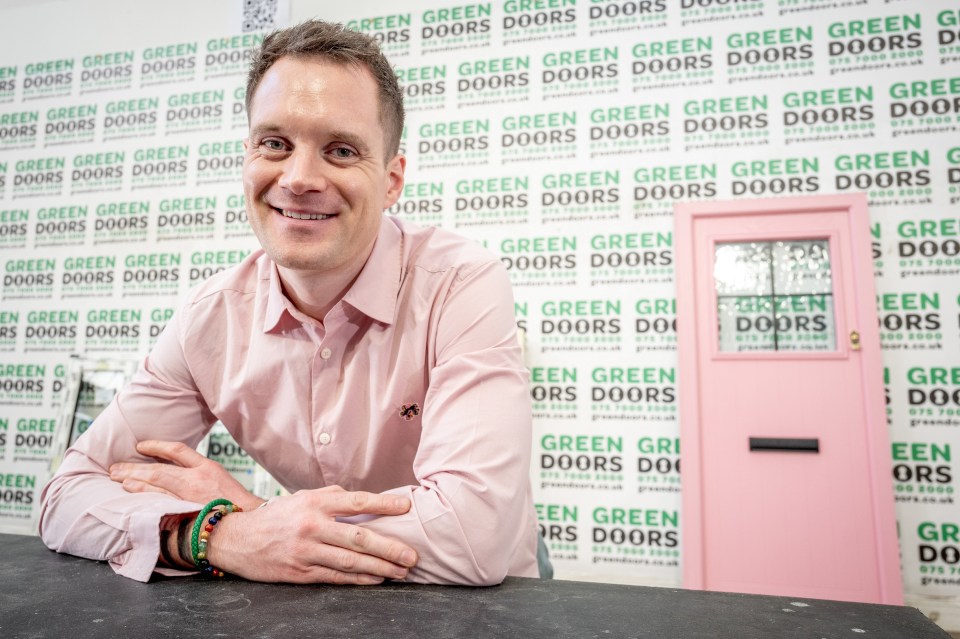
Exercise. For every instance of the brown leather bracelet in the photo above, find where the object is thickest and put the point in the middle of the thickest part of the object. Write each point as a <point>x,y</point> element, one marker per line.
<point>183,541</point>
<point>165,549</point>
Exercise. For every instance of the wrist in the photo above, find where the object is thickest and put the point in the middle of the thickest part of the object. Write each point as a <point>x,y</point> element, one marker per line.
<point>251,502</point>
<point>201,534</point>
<point>221,549</point>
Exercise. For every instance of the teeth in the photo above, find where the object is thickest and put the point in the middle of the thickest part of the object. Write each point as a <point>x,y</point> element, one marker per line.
<point>304,216</point>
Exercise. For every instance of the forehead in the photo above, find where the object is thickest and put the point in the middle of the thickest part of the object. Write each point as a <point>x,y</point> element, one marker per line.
<point>301,87</point>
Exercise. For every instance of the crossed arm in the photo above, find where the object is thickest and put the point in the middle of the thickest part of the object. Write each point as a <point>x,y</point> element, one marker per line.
<point>276,544</point>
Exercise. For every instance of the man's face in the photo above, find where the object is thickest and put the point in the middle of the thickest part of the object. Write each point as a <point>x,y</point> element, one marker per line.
<point>315,177</point>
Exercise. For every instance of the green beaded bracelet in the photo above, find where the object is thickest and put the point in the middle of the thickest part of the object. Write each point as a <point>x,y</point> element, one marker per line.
<point>198,541</point>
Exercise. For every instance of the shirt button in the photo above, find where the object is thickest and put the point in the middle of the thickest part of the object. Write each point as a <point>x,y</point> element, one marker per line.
<point>324,438</point>
<point>325,354</point>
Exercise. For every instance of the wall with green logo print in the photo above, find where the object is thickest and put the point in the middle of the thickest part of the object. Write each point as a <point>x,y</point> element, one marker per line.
<point>557,133</point>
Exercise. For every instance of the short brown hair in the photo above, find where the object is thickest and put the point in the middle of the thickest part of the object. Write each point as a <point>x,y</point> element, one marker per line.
<point>334,42</point>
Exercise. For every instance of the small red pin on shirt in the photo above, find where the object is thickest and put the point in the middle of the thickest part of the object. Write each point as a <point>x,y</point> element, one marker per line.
<point>409,411</point>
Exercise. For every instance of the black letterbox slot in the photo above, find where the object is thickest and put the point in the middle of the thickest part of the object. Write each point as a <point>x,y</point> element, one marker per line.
<point>788,444</point>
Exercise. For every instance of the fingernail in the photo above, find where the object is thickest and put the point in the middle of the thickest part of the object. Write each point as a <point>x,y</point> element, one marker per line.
<point>408,557</point>
<point>401,503</point>
<point>399,574</point>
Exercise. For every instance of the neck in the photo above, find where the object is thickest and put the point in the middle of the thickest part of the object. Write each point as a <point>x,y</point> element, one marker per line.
<point>314,295</point>
<point>315,292</point>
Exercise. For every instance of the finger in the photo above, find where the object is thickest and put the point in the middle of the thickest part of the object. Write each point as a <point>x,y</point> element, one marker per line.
<point>122,470</point>
<point>346,503</point>
<point>163,476</point>
<point>176,452</point>
<point>328,576</point>
<point>388,554</point>
<point>136,486</point>
<point>322,575</point>
<point>348,561</point>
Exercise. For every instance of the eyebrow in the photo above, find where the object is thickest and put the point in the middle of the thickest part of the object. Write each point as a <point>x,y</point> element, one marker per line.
<point>263,129</point>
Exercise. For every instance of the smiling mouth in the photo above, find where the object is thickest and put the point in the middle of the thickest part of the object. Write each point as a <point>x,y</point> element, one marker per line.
<point>302,216</point>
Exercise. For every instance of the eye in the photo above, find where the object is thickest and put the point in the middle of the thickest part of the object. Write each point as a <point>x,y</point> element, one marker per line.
<point>273,144</point>
<point>343,152</point>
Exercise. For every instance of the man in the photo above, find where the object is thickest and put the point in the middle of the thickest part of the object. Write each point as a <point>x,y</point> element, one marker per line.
<point>370,364</point>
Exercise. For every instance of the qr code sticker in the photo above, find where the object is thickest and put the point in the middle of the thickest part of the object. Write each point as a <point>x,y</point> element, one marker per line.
<point>259,15</point>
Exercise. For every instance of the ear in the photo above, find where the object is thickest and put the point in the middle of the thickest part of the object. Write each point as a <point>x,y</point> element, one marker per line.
<point>395,169</point>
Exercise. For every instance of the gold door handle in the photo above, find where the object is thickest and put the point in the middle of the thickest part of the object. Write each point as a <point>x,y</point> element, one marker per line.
<point>854,341</point>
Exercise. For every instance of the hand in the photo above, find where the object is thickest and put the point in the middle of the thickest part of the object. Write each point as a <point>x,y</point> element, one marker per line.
<point>189,475</point>
<point>296,539</point>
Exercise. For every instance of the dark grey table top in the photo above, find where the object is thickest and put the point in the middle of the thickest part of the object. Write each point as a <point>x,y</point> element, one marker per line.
<point>44,594</point>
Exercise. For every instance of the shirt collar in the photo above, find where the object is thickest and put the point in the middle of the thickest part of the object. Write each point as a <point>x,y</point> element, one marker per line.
<point>277,316</point>
<point>377,288</point>
<point>373,293</point>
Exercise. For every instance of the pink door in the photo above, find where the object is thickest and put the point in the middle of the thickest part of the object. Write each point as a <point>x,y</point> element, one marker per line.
<point>786,480</point>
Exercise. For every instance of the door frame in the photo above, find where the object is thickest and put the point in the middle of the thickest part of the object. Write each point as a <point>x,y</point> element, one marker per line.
<point>862,287</point>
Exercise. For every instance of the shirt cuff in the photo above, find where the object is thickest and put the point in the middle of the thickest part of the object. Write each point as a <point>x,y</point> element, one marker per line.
<point>140,561</point>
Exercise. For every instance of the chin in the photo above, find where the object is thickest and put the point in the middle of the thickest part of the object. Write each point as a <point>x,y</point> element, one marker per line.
<point>299,262</point>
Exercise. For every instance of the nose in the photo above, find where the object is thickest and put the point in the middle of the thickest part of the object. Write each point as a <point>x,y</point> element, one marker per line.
<point>303,171</point>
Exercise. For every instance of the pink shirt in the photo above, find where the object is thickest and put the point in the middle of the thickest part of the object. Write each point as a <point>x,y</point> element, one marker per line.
<point>413,385</point>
